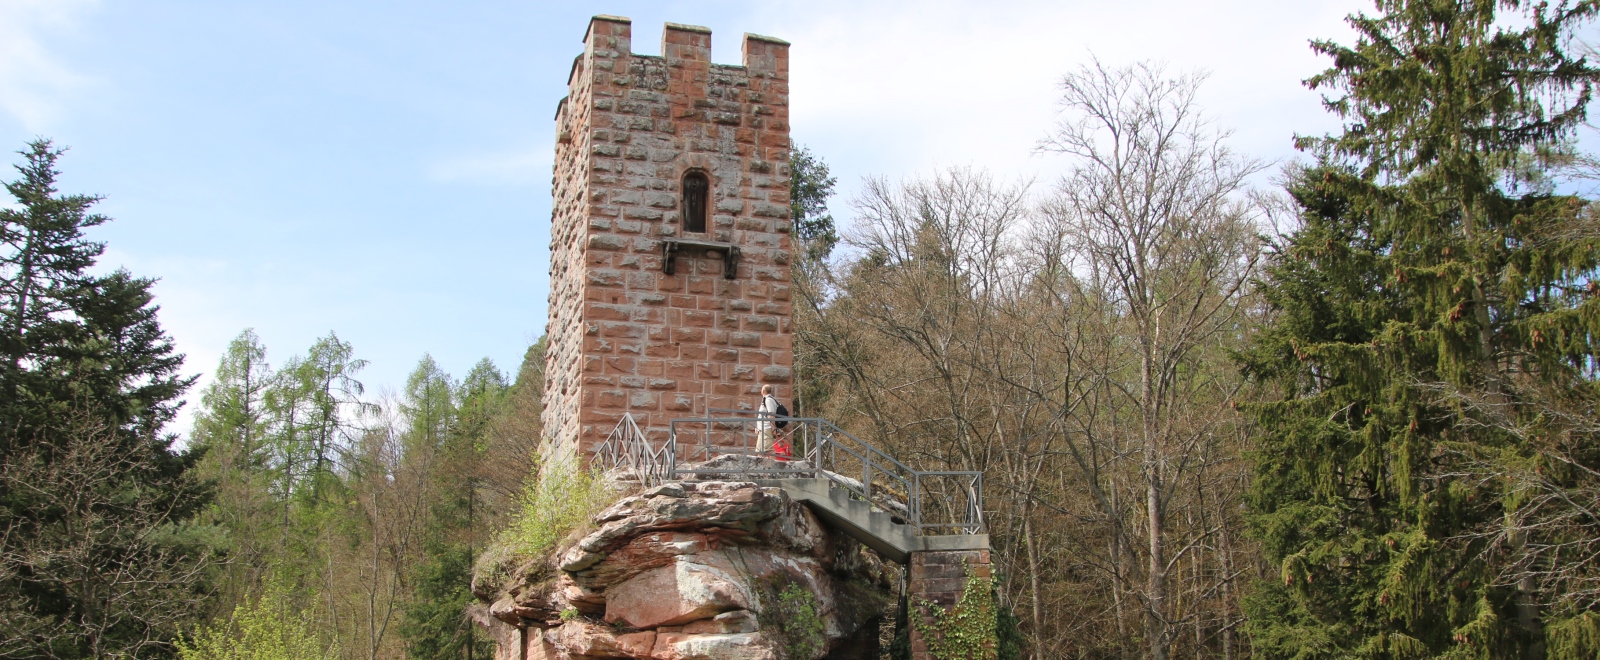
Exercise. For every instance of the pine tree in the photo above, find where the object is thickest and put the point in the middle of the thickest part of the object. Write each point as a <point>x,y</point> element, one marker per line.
<point>1432,260</point>
<point>70,335</point>
<point>810,186</point>
<point>436,626</point>
<point>99,556</point>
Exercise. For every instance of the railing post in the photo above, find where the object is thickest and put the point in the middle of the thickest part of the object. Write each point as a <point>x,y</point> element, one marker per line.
<point>672,450</point>
<point>866,475</point>
<point>977,505</point>
<point>914,505</point>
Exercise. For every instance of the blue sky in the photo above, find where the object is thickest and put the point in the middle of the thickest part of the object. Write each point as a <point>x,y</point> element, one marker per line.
<point>382,169</point>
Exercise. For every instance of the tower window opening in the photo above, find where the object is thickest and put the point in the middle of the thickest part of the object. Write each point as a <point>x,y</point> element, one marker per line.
<point>696,189</point>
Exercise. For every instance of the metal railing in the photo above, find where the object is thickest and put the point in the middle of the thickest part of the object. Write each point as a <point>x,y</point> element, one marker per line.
<point>739,444</point>
<point>627,454</point>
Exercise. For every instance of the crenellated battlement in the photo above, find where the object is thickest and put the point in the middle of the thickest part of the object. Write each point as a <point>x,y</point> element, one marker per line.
<point>682,43</point>
<point>670,233</point>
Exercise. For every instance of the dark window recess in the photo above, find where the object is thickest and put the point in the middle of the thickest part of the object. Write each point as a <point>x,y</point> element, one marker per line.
<point>696,189</point>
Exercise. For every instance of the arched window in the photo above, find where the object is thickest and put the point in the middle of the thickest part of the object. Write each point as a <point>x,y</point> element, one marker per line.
<point>696,190</point>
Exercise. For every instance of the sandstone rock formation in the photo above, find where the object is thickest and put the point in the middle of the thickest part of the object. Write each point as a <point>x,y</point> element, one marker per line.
<point>692,571</point>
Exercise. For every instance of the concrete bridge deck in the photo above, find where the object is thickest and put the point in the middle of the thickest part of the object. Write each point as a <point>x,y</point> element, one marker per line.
<point>874,529</point>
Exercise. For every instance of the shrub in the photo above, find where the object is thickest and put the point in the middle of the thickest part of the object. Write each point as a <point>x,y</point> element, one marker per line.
<point>270,628</point>
<point>791,616</point>
<point>560,500</point>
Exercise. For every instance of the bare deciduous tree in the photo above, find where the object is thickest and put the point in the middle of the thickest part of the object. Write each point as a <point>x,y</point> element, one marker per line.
<point>1548,542</point>
<point>127,571</point>
<point>1157,249</point>
<point>1077,352</point>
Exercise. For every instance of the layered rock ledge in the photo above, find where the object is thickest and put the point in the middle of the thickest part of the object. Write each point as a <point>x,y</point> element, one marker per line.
<point>692,571</point>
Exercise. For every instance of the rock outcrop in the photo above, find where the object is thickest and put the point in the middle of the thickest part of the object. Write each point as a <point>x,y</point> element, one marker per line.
<point>692,571</point>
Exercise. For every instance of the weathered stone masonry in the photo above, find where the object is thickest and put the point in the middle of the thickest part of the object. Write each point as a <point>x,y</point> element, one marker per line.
<point>624,336</point>
<point>940,577</point>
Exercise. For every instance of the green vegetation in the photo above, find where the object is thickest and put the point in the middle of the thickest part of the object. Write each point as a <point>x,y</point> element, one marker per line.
<point>1435,322</point>
<point>810,186</point>
<point>370,514</point>
<point>435,623</point>
<point>1010,644</point>
<point>100,553</point>
<point>559,501</point>
<point>969,630</point>
<point>266,628</point>
<point>792,617</point>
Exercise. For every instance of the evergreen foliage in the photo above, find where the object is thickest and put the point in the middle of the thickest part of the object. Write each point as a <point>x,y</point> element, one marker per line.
<point>71,337</point>
<point>1010,644</point>
<point>1433,265</point>
<point>99,555</point>
<point>810,186</point>
<point>436,625</point>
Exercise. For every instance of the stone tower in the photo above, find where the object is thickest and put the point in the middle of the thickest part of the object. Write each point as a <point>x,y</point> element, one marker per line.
<point>670,237</point>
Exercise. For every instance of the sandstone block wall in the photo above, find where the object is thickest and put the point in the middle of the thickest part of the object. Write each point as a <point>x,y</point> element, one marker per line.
<point>939,577</point>
<point>623,335</point>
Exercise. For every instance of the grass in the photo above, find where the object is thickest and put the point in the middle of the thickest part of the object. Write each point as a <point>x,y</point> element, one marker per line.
<point>562,499</point>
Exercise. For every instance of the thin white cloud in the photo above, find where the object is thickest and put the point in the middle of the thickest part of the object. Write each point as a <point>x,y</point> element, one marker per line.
<point>32,81</point>
<point>900,87</point>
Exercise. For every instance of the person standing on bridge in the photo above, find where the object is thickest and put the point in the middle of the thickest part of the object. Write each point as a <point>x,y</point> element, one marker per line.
<point>766,415</point>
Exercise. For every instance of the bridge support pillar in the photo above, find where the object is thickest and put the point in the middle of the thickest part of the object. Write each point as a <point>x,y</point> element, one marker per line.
<point>937,580</point>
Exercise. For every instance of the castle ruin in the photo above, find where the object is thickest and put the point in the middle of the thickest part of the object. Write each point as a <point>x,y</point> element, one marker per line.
<point>670,235</point>
<point>670,300</point>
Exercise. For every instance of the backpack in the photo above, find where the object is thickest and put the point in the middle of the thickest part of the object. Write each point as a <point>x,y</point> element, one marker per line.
<point>782,415</point>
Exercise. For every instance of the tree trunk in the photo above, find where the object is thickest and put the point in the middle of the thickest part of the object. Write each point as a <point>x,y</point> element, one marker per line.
<point>1155,610</point>
<point>1033,573</point>
<point>1225,564</point>
<point>1149,404</point>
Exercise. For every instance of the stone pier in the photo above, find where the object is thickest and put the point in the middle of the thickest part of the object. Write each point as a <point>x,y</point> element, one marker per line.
<point>939,577</point>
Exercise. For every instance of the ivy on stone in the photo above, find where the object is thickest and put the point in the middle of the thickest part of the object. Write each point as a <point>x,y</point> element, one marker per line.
<point>967,631</point>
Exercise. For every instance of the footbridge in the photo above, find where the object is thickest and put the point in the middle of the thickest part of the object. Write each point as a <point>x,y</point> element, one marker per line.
<point>851,485</point>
